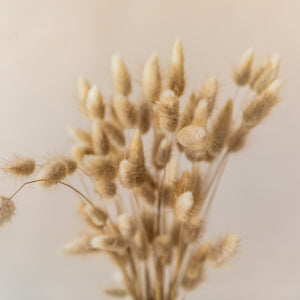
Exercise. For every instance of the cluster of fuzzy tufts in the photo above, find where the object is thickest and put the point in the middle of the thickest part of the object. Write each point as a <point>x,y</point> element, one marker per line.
<point>148,211</point>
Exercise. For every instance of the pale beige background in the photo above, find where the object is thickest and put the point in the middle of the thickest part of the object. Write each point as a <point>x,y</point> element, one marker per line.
<point>46,44</point>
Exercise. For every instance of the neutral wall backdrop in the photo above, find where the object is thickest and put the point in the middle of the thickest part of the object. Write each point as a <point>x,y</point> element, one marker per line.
<point>46,44</point>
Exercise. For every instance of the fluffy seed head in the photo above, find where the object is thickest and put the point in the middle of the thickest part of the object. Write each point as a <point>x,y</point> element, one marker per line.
<point>168,111</point>
<point>183,206</point>
<point>100,141</point>
<point>176,80</point>
<point>78,151</point>
<point>53,171</point>
<point>242,70</point>
<point>114,133</point>
<point>190,135</point>
<point>163,153</point>
<point>7,210</point>
<point>94,103</point>
<point>120,76</point>
<point>126,225</point>
<point>125,111</point>
<point>127,174</point>
<point>110,243</point>
<point>83,87</point>
<point>20,166</point>
<point>151,81</point>
<point>80,245</point>
<point>106,188</point>
<point>80,136</point>
<point>209,91</point>
<point>200,114</point>
<point>144,114</point>
<point>95,215</point>
<point>223,250</point>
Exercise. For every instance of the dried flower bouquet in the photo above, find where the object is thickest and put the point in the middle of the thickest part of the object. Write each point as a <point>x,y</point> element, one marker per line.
<point>148,210</point>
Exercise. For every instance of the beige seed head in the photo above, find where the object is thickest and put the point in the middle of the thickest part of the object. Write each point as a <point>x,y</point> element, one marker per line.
<point>200,114</point>
<point>110,243</point>
<point>242,70</point>
<point>162,245</point>
<point>126,225</point>
<point>114,133</point>
<point>106,188</point>
<point>80,245</point>
<point>100,141</point>
<point>71,165</point>
<point>190,135</point>
<point>125,111</point>
<point>163,153</point>
<point>127,174</point>
<point>172,170</point>
<point>53,171</point>
<point>151,81</point>
<point>116,292</point>
<point>95,215</point>
<point>120,76</point>
<point>7,210</point>
<point>144,115</point>
<point>80,136</point>
<point>94,103</point>
<point>176,80</point>
<point>83,87</point>
<point>237,138</point>
<point>78,151</point>
<point>168,111</point>
<point>183,206</point>
<point>209,91</point>
<point>146,193</point>
<point>220,129</point>
<point>20,166</point>
<point>100,168</point>
<point>224,250</point>
<point>140,246</point>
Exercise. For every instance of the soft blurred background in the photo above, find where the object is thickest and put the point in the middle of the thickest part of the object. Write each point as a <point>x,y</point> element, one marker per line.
<point>46,44</point>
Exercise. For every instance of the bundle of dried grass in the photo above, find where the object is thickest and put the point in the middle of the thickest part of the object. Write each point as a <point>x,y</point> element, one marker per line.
<point>155,238</point>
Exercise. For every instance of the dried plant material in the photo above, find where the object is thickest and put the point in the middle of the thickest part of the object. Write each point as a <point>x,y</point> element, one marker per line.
<point>80,245</point>
<point>209,91</point>
<point>220,129</point>
<point>111,243</point>
<point>83,87</point>
<point>120,76</point>
<point>242,70</point>
<point>78,151</point>
<point>52,172</point>
<point>80,136</point>
<point>20,166</point>
<point>183,206</point>
<point>127,226</point>
<point>190,135</point>
<point>148,207</point>
<point>94,103</point>
<point>125,111</point>
<point>114,133</point>
<point>223,250</point>
<point>168,111</point>
<point>116,292</point>
<point>7,210</point>
<point>176,80</point>
<point>151,81</point>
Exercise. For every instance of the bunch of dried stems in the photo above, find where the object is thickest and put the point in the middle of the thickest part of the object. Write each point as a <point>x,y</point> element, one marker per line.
<point>147,211</point>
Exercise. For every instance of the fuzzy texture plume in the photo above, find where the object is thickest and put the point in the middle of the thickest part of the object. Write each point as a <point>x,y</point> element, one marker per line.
<point>147,206</point>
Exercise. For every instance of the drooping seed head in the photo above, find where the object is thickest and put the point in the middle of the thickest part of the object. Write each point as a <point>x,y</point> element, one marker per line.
<point>110,243</point>
<point>7,210</point>
<point>52,172</point>
<point>80,245</point>
<point>20,166</point>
